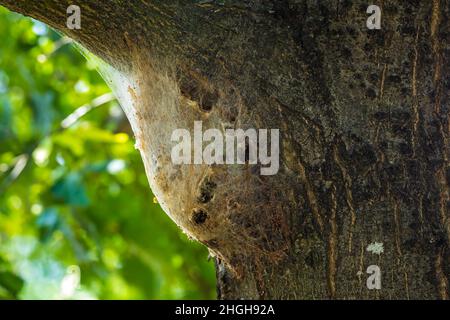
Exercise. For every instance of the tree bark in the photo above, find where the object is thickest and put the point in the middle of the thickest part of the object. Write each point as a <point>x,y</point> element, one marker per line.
<point>364,122</point>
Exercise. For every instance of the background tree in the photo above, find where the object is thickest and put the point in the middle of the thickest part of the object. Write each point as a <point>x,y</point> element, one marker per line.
<point>364,121</point>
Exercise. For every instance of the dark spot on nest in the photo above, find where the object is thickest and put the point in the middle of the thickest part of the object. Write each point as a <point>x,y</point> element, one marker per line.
<point>207,191</point>
<point>199,216</point>
<point>205,98</point>
<point>208,101</point>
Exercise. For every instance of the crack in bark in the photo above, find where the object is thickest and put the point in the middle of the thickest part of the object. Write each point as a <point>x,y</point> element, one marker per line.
<point>348,194</point>
<point>332,245</point>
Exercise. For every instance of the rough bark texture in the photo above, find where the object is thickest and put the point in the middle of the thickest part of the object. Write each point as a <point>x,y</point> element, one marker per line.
<point>364,120</point>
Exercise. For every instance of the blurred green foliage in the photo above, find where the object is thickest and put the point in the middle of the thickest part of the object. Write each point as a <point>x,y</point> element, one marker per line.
<point>73,190</point>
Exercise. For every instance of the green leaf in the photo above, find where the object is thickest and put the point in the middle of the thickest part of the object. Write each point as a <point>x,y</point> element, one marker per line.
<point>48,222</point>
<point>42,111</point>
<point>71,190</point>
<point>11,283</point>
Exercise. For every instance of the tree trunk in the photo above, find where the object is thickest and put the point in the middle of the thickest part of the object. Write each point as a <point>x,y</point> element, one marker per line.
<point>364,128</point>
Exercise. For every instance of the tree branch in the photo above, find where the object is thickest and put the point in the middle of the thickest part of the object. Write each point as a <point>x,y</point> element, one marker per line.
<point>189,30</point>
<point>103,28</point>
